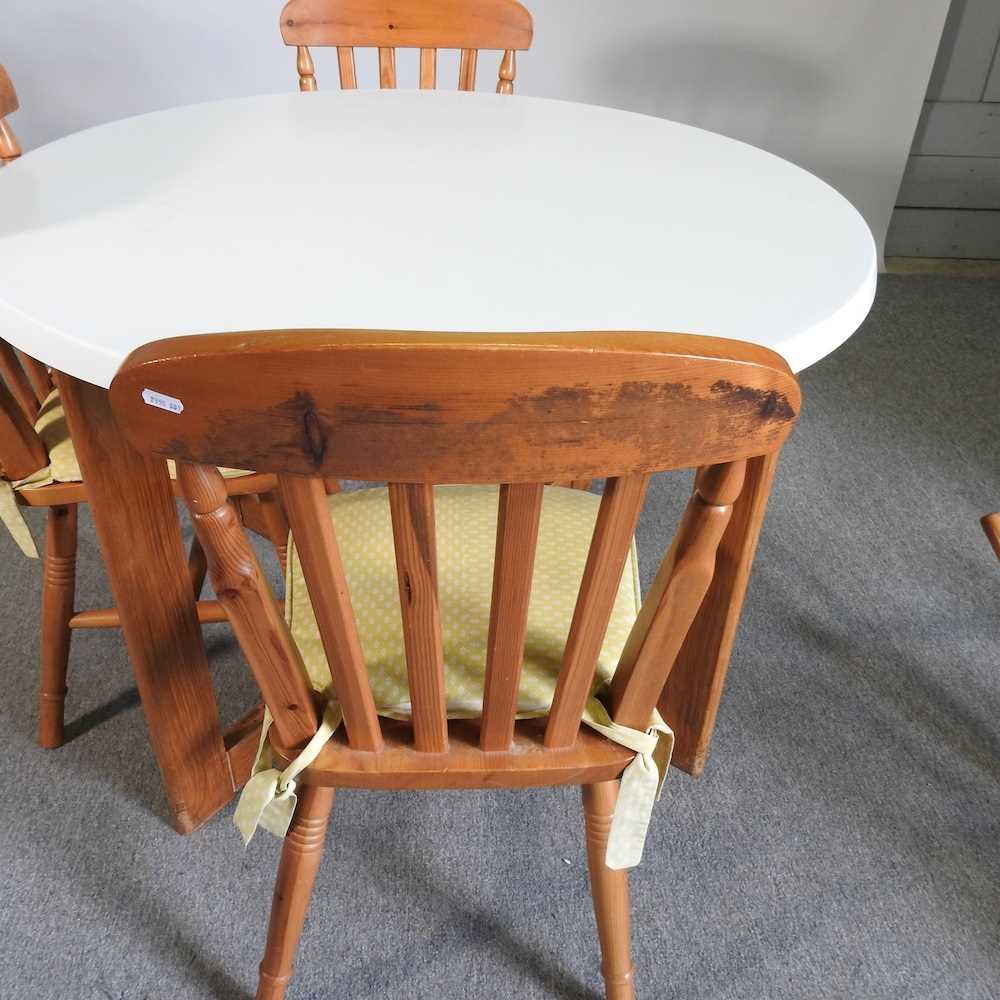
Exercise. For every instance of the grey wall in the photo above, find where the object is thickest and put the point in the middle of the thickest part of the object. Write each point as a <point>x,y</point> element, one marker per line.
<point>834,85</point>
<point>949,202</point>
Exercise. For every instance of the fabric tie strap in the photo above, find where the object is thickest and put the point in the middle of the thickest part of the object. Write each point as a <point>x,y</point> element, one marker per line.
<point>641,781</point>
<point>10,517</point>
<point>268,799</point>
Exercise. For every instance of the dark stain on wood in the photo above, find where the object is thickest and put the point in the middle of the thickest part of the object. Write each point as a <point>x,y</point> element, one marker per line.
<point>771,405</point>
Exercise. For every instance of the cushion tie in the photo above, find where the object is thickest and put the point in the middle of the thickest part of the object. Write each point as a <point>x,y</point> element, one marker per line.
<point>13,521</point>
<point>268,799</point>
<point>641,781</point>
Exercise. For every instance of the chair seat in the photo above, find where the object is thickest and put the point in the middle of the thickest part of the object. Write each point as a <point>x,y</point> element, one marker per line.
<point>465,522</point>
<point>63,466</point>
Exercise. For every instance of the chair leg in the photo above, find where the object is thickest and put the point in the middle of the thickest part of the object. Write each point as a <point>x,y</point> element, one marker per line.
<point>58,585</point>
<point>300,858</point>
<point>276,521</point>
<point>610,892</point>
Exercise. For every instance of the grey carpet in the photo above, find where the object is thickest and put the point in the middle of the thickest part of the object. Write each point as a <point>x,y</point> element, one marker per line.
<point>843,843</point>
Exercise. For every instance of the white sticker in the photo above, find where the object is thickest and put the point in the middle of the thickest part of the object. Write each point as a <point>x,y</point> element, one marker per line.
<point>151,398</point>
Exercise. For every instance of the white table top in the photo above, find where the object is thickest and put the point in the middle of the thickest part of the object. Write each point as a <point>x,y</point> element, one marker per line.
<point>420,211</point>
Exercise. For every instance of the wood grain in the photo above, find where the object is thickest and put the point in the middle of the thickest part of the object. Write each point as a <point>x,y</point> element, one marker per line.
<point>58,586</point>
<point>427,25</point>
<point>244,593</point>
<point>301,854</point>
<point>445,24</point>
<point>131,498</point>
<point>519,511</point>
<point>505,408</point>
<point>21,449</point>
<point>616,520</point>
<point>412,509</point>
<point>991,525</point>
<point>677,592</point>
<point>610,892</point>
<point>691,697</point>
<point>323,568</point>
<point>17,381</point>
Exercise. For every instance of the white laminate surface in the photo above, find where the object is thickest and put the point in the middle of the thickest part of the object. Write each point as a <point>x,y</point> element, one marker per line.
<point>423,211</point>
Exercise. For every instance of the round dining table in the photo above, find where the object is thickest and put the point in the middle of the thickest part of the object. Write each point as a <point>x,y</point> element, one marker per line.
<point>396,210</point>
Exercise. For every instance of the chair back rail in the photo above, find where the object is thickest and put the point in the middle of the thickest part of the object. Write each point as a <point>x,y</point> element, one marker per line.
<point>9,147</point>
<point>420,409</point>
<point>24,384</point>
<point>427,25</point>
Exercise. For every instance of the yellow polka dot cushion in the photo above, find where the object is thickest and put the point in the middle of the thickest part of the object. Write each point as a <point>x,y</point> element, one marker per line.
<point>465,523</point>
<point>63,467</point>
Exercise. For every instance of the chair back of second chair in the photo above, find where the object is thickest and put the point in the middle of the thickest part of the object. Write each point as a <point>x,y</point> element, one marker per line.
<point>417,410</point>
<point>466,25</point>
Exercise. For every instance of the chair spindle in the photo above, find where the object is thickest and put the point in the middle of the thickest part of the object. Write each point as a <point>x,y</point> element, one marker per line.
<point>428,69</point>
<point>676,595</point>
<point>307,72</point>
<point>518,515</point>
<point>387,68</point>
<point>467,69</point>
<point>508,69</point>
<point>616,520</point>
<point>412,509</point>
<point>345,65</point>
<point>323,568</point>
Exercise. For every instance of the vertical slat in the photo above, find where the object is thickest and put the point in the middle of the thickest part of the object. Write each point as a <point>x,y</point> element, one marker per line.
<point>17,381</point>
<point>307,73</point>
<point>412,507</point>
<point>428,69</point>
<point>387,68</point>
<point>609,548</point>
<point>467,69</point>
<point>345,63</point>
<point>316,545</point>
<point>38,376</point>
<point>249,603</point>
<point>677,592</point>
<point>508,69</point>
<point>517,534</point>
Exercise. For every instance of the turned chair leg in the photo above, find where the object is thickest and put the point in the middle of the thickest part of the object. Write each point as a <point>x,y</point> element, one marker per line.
<point>610,892</point>
<point>300,858</point>
<point>58,585</point>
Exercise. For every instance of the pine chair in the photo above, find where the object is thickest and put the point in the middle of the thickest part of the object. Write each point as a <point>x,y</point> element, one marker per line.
<point>427,25</point>
<point>417,410</point>
<point>38,468</point>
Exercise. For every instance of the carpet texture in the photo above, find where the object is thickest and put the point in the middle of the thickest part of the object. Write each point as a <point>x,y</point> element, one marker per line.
<point>843,843</point>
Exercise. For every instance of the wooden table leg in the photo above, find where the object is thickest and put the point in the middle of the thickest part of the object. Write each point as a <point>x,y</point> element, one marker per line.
<point>691,697</point>
<point>136,520</point>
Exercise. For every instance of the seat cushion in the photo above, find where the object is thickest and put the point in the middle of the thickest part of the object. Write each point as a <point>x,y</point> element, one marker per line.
<point>63,466</point>
<point>465,521</point>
